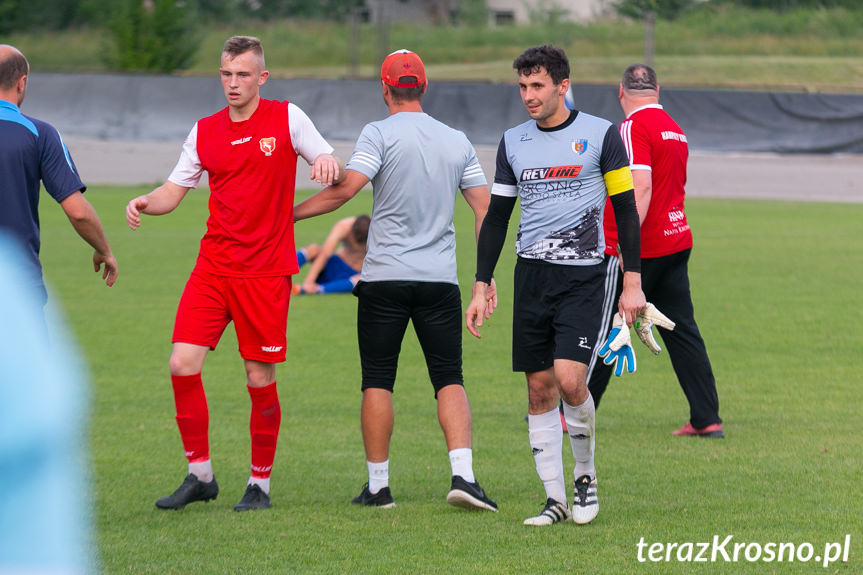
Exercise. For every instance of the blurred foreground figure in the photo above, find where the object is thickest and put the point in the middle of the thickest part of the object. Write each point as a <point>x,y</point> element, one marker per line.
<point>45,524</point>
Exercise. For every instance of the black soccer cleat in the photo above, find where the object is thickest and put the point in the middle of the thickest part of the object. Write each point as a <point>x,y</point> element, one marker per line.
<point>191,490</point>
<point>253,498</point>
<point>468,495</point>
<point>382,498</point>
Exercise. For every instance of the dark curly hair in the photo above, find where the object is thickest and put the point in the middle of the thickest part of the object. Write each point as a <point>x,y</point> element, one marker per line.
<point>552,58</point>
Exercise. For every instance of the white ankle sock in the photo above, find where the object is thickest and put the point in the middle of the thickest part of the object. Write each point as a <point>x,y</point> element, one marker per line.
<point>461,461</point>
<point>203,470</point>
<point>263,483</point>
<point>379,475</point>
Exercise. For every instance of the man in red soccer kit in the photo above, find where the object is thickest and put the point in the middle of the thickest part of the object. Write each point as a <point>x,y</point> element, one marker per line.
<point>243,273</point>
<point>658,153</point>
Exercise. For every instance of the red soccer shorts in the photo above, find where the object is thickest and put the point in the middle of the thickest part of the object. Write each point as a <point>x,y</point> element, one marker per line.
<point>257,306</point>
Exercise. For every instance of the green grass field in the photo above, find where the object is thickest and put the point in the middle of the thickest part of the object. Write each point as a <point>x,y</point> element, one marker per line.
<point>775,287</point>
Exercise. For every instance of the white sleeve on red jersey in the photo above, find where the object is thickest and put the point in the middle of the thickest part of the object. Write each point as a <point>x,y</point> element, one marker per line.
<point>637,148</point>
<point>307,141</point>
<point>187,173</point>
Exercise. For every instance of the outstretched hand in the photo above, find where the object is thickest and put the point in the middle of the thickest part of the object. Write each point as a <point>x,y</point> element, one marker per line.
<point>134,209</point>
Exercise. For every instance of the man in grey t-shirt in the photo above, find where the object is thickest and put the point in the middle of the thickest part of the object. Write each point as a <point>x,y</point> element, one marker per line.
<point>416,165</point>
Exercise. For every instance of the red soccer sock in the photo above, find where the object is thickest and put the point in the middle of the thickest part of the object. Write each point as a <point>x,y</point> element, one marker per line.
<point>264,428</point>
<point>193,416</point>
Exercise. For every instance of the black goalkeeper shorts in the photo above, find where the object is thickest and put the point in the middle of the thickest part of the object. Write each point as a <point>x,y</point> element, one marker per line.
<point>557,311</point>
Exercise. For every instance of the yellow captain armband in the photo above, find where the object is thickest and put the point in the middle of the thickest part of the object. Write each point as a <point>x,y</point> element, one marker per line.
<point>618,181</point>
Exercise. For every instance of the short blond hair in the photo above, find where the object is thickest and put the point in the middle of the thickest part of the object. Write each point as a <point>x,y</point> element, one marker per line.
<point>236,45</point>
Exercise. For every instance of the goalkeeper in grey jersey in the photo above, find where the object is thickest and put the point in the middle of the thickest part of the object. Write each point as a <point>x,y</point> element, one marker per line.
<point>561,165</point>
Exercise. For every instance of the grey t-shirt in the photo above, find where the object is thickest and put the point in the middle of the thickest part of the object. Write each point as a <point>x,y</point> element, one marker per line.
<point>416,165</point>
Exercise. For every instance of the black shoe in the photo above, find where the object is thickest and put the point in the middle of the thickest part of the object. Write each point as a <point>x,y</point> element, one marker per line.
<point>468,495</point>
<point>253,498</point>
<point>382,498</point>
<point>192,489</point>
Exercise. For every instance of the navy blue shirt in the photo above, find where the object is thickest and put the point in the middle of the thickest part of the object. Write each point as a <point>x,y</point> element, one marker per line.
<point>31,151</point>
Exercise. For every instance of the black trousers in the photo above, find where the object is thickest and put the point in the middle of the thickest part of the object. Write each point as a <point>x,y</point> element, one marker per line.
<point>665,282</point>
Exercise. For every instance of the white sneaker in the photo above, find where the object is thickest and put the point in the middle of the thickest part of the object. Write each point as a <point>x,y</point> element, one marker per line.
<point>553,512</point>
<point>585,507</point>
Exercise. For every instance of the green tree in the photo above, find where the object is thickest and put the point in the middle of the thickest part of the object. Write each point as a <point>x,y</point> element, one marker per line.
<point>28,15</point>
<point>222,10</point>
<point>322,9</point>
<point>648,11</point>
<point>155,35</point>
<point>7,15</point>
<point>473,13</point>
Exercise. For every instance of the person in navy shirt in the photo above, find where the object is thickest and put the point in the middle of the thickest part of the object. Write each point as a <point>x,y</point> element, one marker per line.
<point>32,151</point>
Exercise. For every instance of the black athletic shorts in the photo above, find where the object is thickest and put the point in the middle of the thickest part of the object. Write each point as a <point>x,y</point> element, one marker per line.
<point>382,317</point>
<point>557,311</point>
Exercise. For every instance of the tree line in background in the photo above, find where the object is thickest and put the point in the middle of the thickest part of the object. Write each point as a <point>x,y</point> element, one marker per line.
<point>164,35</point>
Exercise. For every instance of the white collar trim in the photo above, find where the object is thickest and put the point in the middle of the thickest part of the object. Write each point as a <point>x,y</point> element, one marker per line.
<point>657,106</point>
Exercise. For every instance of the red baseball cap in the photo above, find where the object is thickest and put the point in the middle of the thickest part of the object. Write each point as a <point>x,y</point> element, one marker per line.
<point>401,67</point>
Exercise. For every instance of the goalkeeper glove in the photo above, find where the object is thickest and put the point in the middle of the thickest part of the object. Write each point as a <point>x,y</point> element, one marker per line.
<point>618,348</point>
<point>644,320</point>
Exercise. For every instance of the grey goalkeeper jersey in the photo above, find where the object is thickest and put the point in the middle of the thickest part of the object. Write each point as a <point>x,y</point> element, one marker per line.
<point>416,165</point>
<point>559,175</point>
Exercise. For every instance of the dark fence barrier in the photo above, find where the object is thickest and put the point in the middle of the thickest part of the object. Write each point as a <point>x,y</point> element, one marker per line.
<point>143,107</point>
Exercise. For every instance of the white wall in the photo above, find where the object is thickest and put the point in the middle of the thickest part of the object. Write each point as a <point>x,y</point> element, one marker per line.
<point>575,9</point>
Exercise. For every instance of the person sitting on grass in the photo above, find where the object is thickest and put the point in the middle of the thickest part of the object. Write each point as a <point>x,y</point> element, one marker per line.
<point>335,270</point>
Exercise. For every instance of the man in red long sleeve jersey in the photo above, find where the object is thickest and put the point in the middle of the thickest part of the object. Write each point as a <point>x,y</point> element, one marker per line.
<point>247,256</point>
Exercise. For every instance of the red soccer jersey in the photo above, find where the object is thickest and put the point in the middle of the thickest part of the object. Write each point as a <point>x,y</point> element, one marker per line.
<point>251,166</point>
<point>655,142</point>
<point>252,171</point>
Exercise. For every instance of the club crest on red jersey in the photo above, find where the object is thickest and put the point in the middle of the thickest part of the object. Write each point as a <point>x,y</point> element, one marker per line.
<point>579,146</point>
<point>268,146</point>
